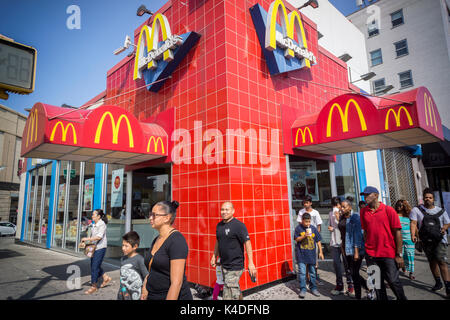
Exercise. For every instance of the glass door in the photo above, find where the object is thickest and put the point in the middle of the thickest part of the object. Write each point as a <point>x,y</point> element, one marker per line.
<point>46,203</point>
<point>39,203</point>
<point>31,204</point>
<point>59,218</point>
<point>87,202</point>
<point>71,221</point>
<point>150,185</point>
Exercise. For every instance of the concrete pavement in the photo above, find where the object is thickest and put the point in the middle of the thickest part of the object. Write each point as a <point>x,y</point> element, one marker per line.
<point>31,273</point>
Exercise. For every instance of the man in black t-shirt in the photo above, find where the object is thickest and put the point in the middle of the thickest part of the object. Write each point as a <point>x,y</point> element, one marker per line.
<point>231,237</point>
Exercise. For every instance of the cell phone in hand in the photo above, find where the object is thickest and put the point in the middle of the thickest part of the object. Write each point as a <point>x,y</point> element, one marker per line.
<point>251,277</point>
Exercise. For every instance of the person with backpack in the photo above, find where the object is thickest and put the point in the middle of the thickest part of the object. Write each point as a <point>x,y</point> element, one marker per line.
<point>433,223</point>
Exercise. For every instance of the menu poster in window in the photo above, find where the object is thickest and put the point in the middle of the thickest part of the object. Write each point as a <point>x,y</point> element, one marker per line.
<point>304,180</point>
<point>88,194</point>
<point>116,188</point>
<point>62,197</point>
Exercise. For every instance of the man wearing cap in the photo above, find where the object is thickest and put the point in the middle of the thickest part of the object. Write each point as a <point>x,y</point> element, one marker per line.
<point>383,242</point>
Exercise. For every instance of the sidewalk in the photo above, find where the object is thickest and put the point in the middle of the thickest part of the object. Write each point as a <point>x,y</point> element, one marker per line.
<point>31,273</point>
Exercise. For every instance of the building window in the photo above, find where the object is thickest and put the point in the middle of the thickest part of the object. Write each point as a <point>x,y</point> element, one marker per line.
<point>376,58</point>
<point>405,79</point>
<point>378,85</point>
<point>372,29</point>
<point>401,48</point>
<point>397,18</point>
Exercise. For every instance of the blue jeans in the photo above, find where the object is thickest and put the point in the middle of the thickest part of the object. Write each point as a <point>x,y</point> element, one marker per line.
<point>336,253</point>
<point>312,276</point>
<point>96,265</point>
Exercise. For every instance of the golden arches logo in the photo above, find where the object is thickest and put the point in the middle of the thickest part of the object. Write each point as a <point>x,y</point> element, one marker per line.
<point>115,129</point>
<point>32,127</point>
<point>151,36</point>
<point>397,117</point>
<point>64,132</point>
<point>303,133</point>
<point>155,144</point>
<point>429,111</point>
<point>289,24</point>
<point>344,116</point>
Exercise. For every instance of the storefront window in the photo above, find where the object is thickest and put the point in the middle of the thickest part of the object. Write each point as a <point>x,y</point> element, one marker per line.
<point>71,223</point>
<point>88,200</point>
<point>150,186</point>
<point>31,204</point>
<point>346,178</point>
<point>37,215</point>
<point>59,219</point>
<point>311,177</point>
<point>115,209</point>
<point>44,221</point>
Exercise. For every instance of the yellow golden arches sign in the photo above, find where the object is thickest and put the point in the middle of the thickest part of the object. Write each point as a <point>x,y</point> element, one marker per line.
<point>397,117</point>
<point>344,116</point>
<point>429,111</point>
<point>303,133</point>
<point>115,129</point>
<point>160,24</point>
<point>155,144</point>
<point>64,132</point>
<point>289,24</point>
<point>32,127</point>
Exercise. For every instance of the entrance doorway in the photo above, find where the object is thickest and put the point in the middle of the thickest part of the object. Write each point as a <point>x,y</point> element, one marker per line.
<point>150,185</point>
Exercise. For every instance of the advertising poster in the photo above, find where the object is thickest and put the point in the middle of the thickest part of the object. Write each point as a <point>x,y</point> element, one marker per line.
<point>88,194</point>
<point>304,180</point>
<point>116,188</point>
<point>62,197</point>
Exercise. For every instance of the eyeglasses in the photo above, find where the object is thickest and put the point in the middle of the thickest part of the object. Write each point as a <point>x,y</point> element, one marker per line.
<point>153,215</point>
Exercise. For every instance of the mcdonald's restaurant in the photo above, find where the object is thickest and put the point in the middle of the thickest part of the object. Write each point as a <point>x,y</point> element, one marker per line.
<point>218,102</point>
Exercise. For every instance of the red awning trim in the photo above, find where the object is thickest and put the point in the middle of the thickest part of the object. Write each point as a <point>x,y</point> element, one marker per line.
<point>107,134</point>
<point>354,123</point>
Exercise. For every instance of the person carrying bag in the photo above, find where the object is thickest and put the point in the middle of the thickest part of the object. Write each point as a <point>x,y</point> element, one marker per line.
<point>95,248</point>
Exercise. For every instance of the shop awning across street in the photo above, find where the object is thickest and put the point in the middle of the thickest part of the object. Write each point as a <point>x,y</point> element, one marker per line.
<point>355,123</point>
<point>107,134</point>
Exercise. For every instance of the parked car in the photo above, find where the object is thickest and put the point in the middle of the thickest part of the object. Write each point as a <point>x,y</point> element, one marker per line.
<point>7,229</point>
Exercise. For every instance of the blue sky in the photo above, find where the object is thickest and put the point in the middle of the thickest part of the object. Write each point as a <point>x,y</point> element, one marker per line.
<point>72,64</point>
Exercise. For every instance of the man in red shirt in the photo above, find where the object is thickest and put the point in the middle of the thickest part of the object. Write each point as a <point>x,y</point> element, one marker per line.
<point>383,242</point>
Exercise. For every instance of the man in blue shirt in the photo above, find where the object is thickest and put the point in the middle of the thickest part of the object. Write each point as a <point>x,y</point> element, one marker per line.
<point>306,236</point>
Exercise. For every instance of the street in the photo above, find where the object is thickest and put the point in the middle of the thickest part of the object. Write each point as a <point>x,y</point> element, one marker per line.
<point>31,273</point>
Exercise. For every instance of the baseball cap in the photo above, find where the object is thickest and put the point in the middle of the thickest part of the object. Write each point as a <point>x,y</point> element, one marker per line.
<point>369,190</point>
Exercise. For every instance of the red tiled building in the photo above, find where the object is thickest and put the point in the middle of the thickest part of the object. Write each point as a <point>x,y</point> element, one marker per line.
<point>224,82</point>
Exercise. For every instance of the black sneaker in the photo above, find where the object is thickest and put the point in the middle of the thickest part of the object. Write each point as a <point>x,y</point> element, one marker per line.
<point>438,286</point>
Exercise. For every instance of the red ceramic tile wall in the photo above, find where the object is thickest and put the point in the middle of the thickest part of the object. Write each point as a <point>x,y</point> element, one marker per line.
<point>224,83</point>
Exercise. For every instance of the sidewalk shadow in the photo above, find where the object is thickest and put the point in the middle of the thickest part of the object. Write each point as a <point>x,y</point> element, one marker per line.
<point>61,273</point>
<point>6,253</point>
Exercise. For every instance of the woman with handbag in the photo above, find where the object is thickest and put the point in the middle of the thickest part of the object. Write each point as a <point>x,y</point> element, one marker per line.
<point>166,258</point>
<point>98,236</point>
